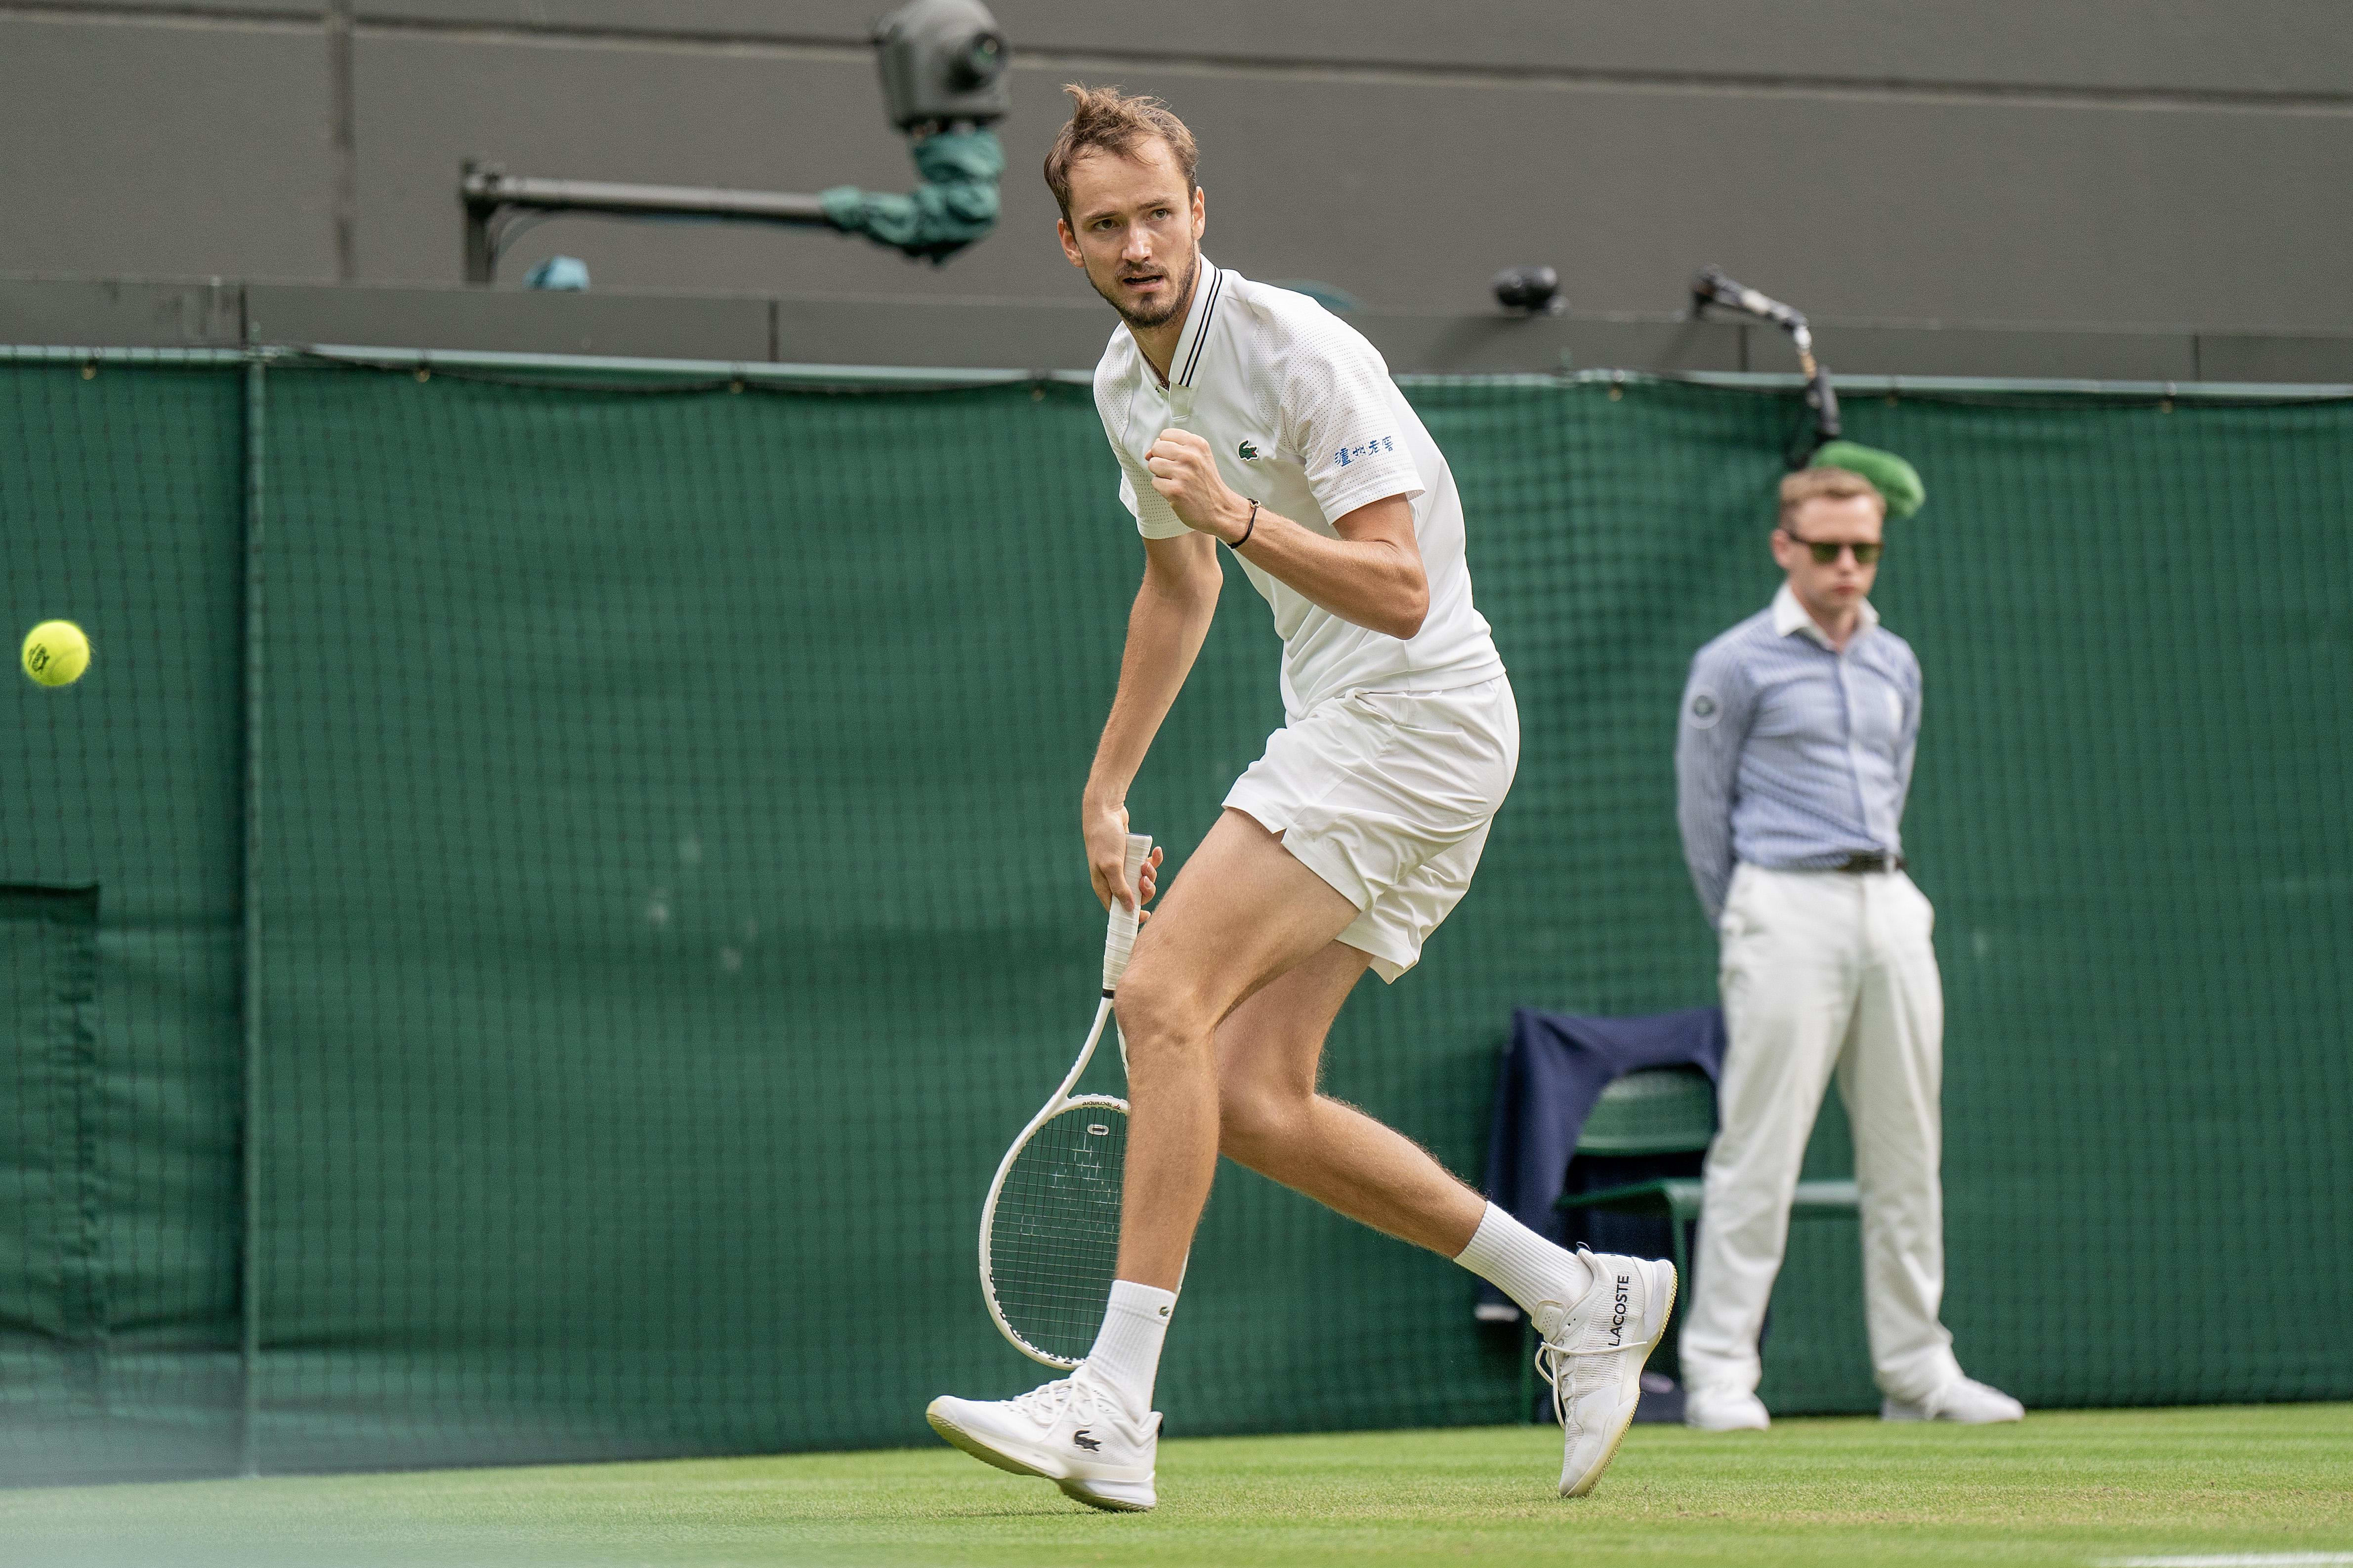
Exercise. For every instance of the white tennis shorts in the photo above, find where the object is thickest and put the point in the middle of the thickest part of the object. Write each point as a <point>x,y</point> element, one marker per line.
<point>1387,796</point>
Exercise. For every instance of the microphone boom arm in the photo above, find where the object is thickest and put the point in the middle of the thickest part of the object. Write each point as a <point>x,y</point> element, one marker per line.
<point>1712,287</point>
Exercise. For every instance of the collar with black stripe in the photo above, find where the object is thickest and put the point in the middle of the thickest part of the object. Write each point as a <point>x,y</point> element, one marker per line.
<point>1187,361</point>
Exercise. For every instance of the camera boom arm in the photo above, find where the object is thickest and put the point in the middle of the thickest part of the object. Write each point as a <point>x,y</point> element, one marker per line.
<point>955,203</point>
<point>943,64</point>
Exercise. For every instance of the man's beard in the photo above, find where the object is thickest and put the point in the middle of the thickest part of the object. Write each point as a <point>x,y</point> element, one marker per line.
<point>1179,301</point>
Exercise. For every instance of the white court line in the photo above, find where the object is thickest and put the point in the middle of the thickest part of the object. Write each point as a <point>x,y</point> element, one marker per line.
<point>2234,1560</point>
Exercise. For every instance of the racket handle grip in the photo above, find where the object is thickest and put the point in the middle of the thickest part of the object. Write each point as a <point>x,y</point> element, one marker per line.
<point>1119,941</point>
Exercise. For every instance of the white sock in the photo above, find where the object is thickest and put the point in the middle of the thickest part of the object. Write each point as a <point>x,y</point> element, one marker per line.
<point>1524,1265</point>
<point>1127,1347</point>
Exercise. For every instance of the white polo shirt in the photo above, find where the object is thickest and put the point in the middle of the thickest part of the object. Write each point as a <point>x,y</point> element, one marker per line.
<point>1304,418</point>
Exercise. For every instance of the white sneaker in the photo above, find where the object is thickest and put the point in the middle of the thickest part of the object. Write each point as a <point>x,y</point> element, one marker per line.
<point>1593,1353</point>
<point>1724,1410</point>
<point>1072,1431</point>
<point>1964,1400</point>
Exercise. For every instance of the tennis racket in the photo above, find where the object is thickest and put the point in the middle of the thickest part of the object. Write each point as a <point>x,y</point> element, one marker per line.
<point>1050,1230</point>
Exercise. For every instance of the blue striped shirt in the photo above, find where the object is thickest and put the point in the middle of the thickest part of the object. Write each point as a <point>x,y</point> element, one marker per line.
<point>1790,755</point>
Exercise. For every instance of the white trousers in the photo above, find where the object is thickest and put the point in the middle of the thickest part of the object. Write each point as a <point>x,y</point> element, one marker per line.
<point>1826,972</point>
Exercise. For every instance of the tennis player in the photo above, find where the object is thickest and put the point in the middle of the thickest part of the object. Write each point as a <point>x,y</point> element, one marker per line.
<point>1248,418</point>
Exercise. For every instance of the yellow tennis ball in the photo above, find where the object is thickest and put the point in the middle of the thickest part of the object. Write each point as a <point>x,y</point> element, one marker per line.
<point>56,653</point>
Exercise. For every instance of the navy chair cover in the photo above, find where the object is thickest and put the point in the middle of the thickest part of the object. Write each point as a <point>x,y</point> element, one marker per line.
<point>1554,1070</point>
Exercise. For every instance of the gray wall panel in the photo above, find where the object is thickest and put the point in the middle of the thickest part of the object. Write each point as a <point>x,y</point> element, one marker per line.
<point>117,314</point>
<point>1922,211</point>
<point>2274,45</point>
<point>2256,46</point>
<point>1027,336</point>
<point>1475,343</point>
<point>1962,351</point>
<point>1407,188</point>
<point>1946,210</point>
<point>2325,361</point>
<point>837,21</point>
<point>510,321</point>
<point>154,148</point>
<point>237,9</point>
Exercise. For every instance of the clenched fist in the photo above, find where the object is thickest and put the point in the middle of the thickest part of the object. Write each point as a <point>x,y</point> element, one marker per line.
<point>1185,471</point>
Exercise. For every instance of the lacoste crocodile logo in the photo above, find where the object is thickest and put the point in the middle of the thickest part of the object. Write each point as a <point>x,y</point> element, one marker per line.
<point>1083,1441</point>
<point>1250,453</point>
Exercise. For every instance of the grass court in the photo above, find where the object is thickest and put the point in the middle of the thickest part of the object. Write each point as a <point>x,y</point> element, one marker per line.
<point>2239,1484</point>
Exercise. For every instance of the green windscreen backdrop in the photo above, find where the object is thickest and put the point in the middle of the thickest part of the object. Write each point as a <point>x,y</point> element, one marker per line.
<point>534,934</point>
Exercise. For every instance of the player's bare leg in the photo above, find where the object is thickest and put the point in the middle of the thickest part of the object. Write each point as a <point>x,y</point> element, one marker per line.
<point>1243,913</point>
<point>1599,1316</point>
<point>1272,1120</point>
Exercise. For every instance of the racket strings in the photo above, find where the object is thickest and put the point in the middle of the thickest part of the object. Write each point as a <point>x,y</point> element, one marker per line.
<point>1054,1233</point>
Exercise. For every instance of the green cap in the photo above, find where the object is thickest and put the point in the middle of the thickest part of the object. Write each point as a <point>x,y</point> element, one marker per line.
<point>1897,480</point>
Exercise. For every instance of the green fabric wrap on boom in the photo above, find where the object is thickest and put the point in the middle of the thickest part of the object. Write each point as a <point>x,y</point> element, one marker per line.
<point>1897,479</point>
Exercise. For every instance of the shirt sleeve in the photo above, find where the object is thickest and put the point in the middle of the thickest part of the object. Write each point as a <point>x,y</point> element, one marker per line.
<point>1339,412</point>
<point>1155,518</point>
<point>1718,708</point>
<point>1907,740</point>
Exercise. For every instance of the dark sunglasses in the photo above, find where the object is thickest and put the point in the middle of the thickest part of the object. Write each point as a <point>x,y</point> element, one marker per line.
<point>1824,553</point>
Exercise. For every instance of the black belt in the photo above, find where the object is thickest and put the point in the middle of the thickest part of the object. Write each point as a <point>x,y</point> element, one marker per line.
<point>1870,860</point>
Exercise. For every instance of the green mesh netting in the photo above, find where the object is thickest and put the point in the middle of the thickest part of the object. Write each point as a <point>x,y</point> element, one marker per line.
<point>657,807</point>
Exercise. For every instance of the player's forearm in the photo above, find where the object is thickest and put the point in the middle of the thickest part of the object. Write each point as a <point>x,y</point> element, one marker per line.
<point>1165,629</point>
<point>1370,575</point>
<point>1369,583</point>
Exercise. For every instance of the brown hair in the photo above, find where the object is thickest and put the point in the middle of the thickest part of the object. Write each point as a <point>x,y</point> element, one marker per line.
<point>1105,119</point>
<point>1824,484</point>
